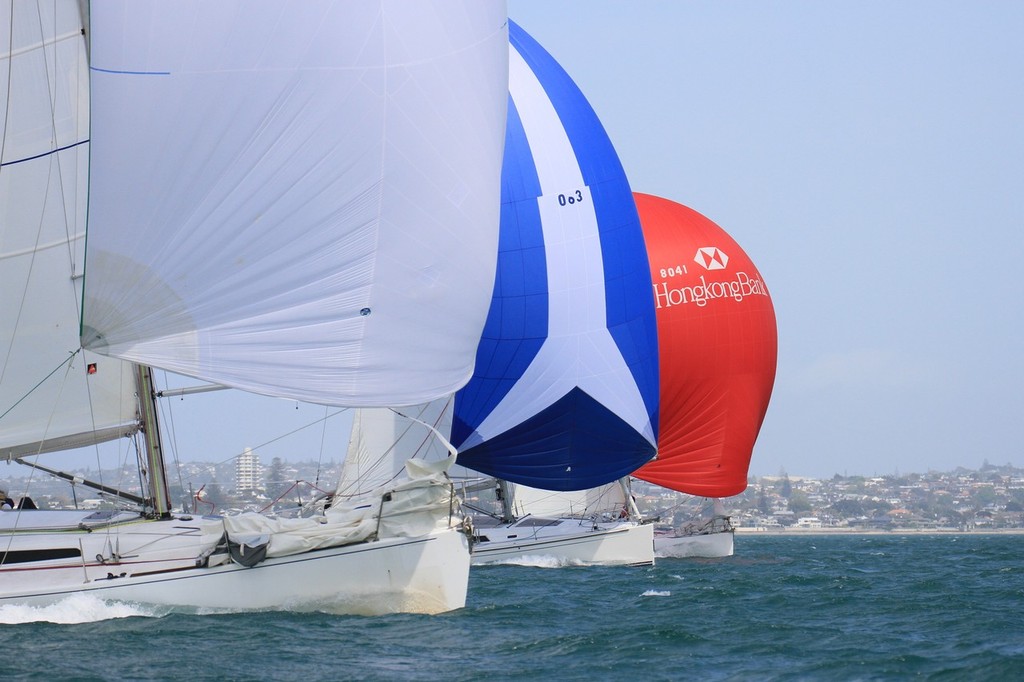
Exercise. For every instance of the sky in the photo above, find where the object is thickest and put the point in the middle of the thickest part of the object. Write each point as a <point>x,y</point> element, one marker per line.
<point>869,158</point>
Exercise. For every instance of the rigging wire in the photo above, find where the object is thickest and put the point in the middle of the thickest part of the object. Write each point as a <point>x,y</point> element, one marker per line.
<point>211,469</point>
<point>171,433</point>
<point>363,474</point>
<point>323,440</point>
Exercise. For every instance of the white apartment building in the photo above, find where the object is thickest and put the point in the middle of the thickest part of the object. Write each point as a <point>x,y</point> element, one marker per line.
<point>248,472</point>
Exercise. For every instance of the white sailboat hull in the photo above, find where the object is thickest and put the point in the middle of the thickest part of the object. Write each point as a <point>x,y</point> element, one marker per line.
<point>708,546</point>
<point>425,574</point>
<point>565,542</point>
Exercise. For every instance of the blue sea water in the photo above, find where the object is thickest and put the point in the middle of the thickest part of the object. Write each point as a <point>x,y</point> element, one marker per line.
<point>865,607</point>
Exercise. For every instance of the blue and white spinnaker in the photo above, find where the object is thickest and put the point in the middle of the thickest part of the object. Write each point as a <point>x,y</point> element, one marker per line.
<point>565,390</point>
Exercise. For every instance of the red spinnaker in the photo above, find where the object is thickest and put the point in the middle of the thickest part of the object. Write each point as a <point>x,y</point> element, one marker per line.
<point>717,349</point>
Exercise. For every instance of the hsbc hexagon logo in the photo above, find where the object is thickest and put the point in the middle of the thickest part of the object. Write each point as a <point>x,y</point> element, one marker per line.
<point>710,258</point>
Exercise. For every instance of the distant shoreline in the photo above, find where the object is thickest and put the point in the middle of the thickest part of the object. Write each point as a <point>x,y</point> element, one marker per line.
<point>894,531</point>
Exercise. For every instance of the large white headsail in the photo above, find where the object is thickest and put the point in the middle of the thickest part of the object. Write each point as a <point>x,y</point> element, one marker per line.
<point>48,400</point>
<point>297,199</point>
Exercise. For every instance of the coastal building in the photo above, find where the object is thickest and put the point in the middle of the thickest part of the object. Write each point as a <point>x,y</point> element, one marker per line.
<point>248,473</point>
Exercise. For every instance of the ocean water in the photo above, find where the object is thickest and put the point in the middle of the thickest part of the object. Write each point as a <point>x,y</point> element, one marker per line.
<point>866,607</point>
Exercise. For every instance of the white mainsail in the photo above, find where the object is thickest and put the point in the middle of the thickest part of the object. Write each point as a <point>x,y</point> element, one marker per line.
<point>293,212</point>
<point>48,400</point>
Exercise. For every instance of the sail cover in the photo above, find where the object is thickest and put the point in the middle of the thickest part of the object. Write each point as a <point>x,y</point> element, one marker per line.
<point>564,396</point>
<point>718,345</point>
<point>48,398</point>
<point>301,199</point>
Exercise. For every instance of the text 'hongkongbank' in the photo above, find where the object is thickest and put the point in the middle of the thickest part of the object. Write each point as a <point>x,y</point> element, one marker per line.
<point>737,289</point>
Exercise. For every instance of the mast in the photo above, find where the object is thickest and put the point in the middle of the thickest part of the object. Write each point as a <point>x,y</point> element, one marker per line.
<point>627,492</point>
<point>504,493</point>
<point>159,494</point>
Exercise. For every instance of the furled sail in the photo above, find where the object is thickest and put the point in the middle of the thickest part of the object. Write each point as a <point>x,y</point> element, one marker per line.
<point>565,392</point>
<point>718,346</point>
<point>49,400</point>
<point>310,214</point>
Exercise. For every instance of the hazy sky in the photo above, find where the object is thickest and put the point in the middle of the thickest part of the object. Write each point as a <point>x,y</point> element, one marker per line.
<point>869,157</point>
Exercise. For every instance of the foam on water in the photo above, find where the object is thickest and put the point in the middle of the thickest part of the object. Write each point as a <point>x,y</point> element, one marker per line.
<point>656,593</point>
<point>538,561</point>
<point>78,608</point>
